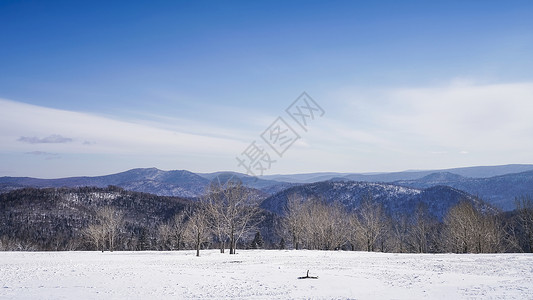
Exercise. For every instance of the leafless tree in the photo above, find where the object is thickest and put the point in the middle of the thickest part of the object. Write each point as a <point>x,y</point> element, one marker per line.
<point>295,218</point>
<point>178,228</point>
<point>400,234</point>
<point>470,230</point>
<point>214,205</point>
<point>170,235</point>
<point>422,229</point>
<point>314,224</point>
<point>11,244</point>
<point>338,227</point>
<point>353,232</point>
<point>113,220</point>
<point>164,236</point>
<point>524,207</point>
<point>232,212</point>
<point>513,236</point>
<point>371,222</point>
<point>460,224</point>
<point>328,225</point>
<point>107,230</point>
<point>197,227</point>
<point>96,234</point>
<point>492,238</point>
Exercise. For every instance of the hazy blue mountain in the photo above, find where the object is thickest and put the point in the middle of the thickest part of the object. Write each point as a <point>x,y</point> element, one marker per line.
<point>168,183</point>
<point>267,186</point>
<point>490,171</point>
<point>396,199</point>
<point>305,178</point>
<point>499,191</point>
<point>475,172</point>
<point>180,183</point>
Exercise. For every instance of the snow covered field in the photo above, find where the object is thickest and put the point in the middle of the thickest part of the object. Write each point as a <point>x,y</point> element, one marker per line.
<point>264,274</point>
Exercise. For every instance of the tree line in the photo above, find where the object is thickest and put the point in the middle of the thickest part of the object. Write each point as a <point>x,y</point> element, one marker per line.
<point>229,217</point>
<point>466,228</point>
<point>227,214</point>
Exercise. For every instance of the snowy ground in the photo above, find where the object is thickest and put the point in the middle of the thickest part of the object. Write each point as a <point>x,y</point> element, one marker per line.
<point>263,274</point>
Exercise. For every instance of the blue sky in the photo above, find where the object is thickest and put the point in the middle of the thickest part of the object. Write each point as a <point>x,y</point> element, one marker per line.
<point>97,87</point>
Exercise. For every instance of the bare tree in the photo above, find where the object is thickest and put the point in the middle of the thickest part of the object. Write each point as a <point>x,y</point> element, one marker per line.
<point>164,236</point>
<point>214,205</point>
<point>460,224</point>
<point>113,221</point>
<point>314,224</point>
<point>295,215</point>
<point>492,238</point>
<point>231,211</point>
<point>401,234</point>
<point>11,244</point>
<point>470,230</point>
<point>197,227</point>
<point>107,230</point>
<point>96,235</point>
<point>353,231</point>
<point>422,229</point>
<point>371,222</point>
<point>178,228</point>
<point>524,207</point>
<point>338,227</point>
<point>327,225</point>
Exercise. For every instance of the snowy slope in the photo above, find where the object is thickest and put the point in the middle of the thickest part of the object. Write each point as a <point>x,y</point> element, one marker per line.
<point>499,191</point>
<point>395,199</point>
<point>259,274</point>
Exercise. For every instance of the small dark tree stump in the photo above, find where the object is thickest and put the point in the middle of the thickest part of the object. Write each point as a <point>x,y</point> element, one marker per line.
<point>308,277</point>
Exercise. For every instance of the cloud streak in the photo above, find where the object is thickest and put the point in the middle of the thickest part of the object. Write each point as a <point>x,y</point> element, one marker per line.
<point>46,155</point>
<point>30,125</point>
<point>454,125</point>
<point>52,139</point>
<point>40,153</point>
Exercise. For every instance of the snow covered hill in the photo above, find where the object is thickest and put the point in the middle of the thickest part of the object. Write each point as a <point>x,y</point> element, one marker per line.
<point>264,274</point>
<point>499,191</point>
<point>396,199</point>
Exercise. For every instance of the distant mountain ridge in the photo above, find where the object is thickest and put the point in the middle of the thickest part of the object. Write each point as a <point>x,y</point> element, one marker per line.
<point>474,172</point>
<point>179,183</point>
<point>154,181</point>
<point>500,190</point>
<point>394,198</point>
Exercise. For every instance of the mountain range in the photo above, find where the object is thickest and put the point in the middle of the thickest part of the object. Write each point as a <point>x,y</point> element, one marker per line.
<point>499,191</point>
<point>395,199</point>
<point>154,181</point>
<point>473,172</point>
<point>498,185</point>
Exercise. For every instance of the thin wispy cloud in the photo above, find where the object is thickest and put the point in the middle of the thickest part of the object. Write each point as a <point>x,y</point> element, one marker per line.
<point>104,135</point>
<point>455,124</point>
<point>40,153</point>
<point>432,127</point>
<point>466,116</point>
<point>52,139</point>
<point>46,155</point>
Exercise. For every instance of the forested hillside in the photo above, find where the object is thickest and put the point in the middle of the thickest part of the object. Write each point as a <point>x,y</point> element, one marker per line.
<point>54,219</point>
<point>328,215</point>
